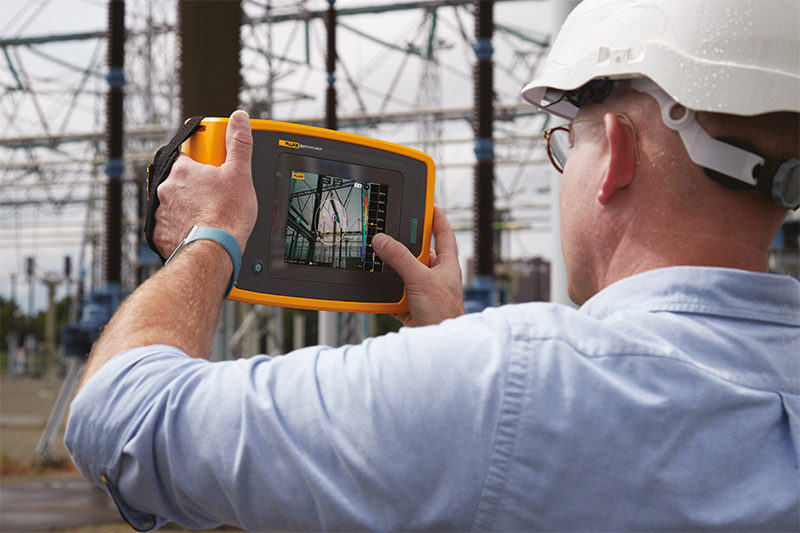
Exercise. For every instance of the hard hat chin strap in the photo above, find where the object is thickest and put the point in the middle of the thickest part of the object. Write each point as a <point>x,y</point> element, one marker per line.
<point>779,180</point>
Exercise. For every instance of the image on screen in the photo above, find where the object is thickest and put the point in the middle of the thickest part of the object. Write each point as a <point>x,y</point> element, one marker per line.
<point>331,221</point>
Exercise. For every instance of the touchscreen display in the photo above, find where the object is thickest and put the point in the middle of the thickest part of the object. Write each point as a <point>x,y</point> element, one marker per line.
<point>331,221</point>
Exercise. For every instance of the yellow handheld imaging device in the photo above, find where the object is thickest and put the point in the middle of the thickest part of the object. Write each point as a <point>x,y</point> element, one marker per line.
<point>322,195</point>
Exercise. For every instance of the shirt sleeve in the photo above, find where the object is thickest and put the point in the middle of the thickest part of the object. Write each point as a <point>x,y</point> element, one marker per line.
<point>393,434</point>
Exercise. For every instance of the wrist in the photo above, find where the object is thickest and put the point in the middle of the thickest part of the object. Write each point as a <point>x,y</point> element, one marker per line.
<point>222,239</point>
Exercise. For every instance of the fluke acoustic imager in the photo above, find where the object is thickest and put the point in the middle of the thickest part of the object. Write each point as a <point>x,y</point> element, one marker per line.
<point>322,195</point>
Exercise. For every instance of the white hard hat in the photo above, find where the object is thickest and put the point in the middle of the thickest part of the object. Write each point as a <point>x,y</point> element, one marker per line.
<point>739,57</point>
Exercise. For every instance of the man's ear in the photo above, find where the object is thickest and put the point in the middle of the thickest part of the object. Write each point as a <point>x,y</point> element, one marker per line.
<point>621,158</point>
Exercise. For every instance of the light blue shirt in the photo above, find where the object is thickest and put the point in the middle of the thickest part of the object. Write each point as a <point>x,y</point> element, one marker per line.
<point>669,401</point>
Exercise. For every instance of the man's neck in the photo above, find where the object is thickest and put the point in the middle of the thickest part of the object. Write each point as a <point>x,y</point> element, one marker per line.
<point>642,252</point>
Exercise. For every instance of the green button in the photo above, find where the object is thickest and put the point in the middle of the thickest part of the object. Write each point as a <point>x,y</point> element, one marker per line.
<point>257,267</point>
<point>413,237</point>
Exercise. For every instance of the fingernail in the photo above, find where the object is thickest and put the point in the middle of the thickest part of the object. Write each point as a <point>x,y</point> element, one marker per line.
<point>378,241</point>
<point>240,116</point>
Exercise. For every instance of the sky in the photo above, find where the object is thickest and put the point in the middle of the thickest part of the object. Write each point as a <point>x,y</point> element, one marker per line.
<point>71,101</point>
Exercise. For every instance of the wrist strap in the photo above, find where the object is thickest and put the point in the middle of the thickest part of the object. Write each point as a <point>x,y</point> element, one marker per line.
<point>224,239</point>
<point>158,171</point>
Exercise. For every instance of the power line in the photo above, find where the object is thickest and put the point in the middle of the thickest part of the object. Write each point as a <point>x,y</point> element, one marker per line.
<point>374,100</point>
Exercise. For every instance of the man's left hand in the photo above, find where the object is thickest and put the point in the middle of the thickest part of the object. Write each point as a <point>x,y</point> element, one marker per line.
<point>204,195</point>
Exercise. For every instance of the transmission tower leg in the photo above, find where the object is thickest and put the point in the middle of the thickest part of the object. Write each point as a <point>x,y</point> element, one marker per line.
<point>328,321</point>
<point>12,355</point>
<point>329,328</point>
<point>275,344</point>
<point>59,411</point>
<point>298,329</point>
<point>11,352</point>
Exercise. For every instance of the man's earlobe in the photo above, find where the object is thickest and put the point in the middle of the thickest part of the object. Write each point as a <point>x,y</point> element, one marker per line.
<point>621,158</point>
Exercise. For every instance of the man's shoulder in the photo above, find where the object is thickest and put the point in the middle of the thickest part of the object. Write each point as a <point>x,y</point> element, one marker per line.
<point>718,323</point>
<point>704,290</point>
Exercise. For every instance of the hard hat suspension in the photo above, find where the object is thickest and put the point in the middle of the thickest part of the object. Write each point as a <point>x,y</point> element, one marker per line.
<point>731,162</point>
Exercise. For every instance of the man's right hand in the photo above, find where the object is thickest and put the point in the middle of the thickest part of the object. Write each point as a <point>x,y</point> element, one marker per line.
<point>433,292</point>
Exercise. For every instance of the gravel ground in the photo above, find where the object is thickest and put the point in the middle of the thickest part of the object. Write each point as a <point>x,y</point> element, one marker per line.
<point>25,404</point>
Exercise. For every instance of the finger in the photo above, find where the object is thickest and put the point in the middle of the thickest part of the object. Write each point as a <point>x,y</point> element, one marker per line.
<point>239,140</point>
<point>397,256</point>
<point>446,243</point>
<point>403,318</point>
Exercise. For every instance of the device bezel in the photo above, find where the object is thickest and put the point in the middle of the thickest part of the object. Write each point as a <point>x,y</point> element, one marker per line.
<point>305,286</point>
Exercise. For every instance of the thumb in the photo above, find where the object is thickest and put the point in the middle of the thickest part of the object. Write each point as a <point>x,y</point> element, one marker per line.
<point>239,140</point>
<point>397,256</point>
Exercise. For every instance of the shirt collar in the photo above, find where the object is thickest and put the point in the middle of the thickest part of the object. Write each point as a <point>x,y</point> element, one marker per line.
<point>707,290</point>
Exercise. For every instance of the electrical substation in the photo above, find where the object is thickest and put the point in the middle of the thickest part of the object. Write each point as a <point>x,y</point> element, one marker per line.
<point>85,104</point>
<point>84,111</point>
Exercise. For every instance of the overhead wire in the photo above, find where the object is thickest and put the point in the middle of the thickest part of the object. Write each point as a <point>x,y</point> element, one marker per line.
<point>364,90</point>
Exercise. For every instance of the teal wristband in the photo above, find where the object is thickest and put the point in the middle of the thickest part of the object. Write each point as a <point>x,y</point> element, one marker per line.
<point>224,239</point>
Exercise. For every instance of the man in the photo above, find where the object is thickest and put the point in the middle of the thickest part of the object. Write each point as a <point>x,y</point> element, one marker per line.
<point>669,401</point>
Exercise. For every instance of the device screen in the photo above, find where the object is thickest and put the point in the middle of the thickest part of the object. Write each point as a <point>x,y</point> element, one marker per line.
<point>331,221</point>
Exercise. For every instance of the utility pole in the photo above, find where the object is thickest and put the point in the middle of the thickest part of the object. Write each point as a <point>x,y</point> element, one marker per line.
<point>429,97</point>
<point>112,259</point>
<point>270,66</point>
<point>50,332</point>
<point>75,368</point>
<point>484,292</point>
<point>328,333</point>
<point>330,64</point>
<point>483,198</point>
<point>30,338</point>
<point>209,67</point>
<point>12,331</point>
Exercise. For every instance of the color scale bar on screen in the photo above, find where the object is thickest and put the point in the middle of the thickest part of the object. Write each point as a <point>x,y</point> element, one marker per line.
<point>364,236</point>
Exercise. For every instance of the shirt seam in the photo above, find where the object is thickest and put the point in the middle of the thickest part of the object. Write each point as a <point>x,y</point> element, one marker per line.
<point>701,368</point>
<point>504,441</point>
<point>688,294</point>
<point>775,317</point>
